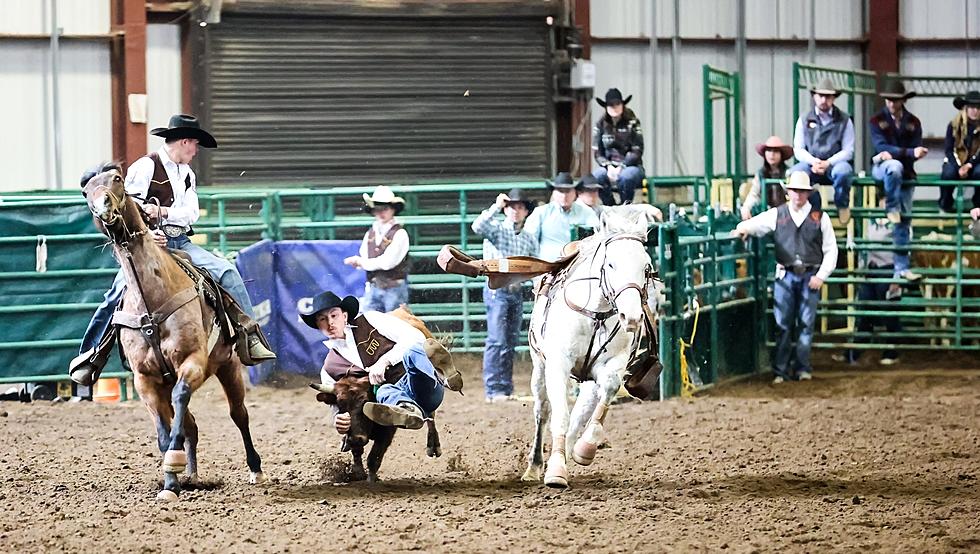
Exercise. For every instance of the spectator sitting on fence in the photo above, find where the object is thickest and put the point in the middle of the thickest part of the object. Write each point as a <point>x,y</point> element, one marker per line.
<point>774,154</point>
<point>553,225</point>
<point>505,306</point>
<point>824,146</point>
<point>383,253</point>
<point>588,193</point>
<point>806,254</point>
<point>896,136</point>
<point>962,160</point>
<point>880,259</point>
<point>617,142</point>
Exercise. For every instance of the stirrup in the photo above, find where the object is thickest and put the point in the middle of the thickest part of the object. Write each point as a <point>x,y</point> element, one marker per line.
<point>83,368</point>
<point>252,347</point>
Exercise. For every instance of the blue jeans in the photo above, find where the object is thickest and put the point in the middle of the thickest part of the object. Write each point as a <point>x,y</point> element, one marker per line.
<point>866,324</point>
<point>840,175</point>
<point>898,198</point>
<point>221,269</point>
<point>629,179</point>
<point>947,194</point>
<point>505,309</point>
<point>419,385</point>
<point>384,300</point>
<point>795,306</point>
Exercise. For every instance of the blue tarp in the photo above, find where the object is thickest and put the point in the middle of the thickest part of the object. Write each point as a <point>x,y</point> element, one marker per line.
<point>282,278</point>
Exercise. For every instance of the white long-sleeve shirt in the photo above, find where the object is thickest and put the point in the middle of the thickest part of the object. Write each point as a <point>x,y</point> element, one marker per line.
<point>847,141</point>
<point>392,256</point>
<point>185,210</point>
<point>765,223</point>
<point>400,332</point>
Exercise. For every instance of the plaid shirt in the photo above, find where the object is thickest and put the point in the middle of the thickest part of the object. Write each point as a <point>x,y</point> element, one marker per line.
<point>500,238</point>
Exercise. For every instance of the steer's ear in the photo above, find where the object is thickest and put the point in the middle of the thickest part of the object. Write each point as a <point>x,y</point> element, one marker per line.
<point>326,398</point>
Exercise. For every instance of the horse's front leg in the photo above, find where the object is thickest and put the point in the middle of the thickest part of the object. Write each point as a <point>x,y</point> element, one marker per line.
<point>542,412</point>
<point>175,458</point>
<point>588,397</point>
<point>556,385</point>
<point>608,381</point>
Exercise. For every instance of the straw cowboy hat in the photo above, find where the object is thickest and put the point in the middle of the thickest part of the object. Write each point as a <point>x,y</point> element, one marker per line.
<point>895,90</point>
<point>326,300</point>
<point>826,88</point>
<point>614,96</point>
<point>383,196</point>
<point>563,181</point>
<point>972,98</point>
<point>799,180</point>
<point>517,196</point>
<point>186,126</point>
<point>775,143</point>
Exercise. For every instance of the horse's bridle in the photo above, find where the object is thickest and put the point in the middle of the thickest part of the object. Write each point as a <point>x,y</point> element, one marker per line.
<point>610,294</point>
<point>116,217</point>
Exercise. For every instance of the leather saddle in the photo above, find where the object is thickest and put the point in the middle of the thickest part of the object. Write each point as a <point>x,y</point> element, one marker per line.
<point>504,271</point>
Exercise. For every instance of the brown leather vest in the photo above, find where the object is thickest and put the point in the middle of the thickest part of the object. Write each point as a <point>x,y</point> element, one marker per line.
<point>385,279</point>
<point>371,346</point>
<point>160,187</point>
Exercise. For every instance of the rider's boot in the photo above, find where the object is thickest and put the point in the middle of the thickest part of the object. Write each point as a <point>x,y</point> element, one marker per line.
<point>85,368</point>
<point>250,343</point>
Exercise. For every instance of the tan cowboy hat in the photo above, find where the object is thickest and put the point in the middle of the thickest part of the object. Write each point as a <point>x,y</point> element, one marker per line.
<point>825,87</point>
<point>895,90</point>
<point>775,143</point>
<point>384,197</point>
<point>799,180</point>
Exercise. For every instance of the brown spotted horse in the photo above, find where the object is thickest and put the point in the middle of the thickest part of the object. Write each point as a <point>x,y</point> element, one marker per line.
<point>173,333</point>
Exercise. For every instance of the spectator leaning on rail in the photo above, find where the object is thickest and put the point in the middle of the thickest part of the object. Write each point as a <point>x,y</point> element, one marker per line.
<point>553,225</point>
<point>774,154</point>
<point>806,254</point>
<point>505,306</point>
<point>896,136</point>
<point>166,177</point>
<point>383,253</point>
<point>617,142</point>
<point>374,344</point>
<point>824,146</point>
<point>962,150</point>
<point>881,259</point>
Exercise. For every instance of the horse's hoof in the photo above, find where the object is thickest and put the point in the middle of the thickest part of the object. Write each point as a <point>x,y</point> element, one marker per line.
<point>174,461</point>
<point>193,479</point>
<point>532,474</point>
<point>372,478</point>
<point>584,452</point>
<point>556,478</point>
<point>257,478</point>
<point>167,495</point>
<point>433,451</point>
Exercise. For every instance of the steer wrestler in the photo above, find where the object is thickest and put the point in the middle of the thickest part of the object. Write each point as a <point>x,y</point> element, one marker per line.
<point>376,344</point>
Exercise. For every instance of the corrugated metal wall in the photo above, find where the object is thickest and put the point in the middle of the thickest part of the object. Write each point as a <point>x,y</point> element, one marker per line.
<point>768,67</point>
<point>28,153</point>
<point>163,77</point>
<point>333,100</point>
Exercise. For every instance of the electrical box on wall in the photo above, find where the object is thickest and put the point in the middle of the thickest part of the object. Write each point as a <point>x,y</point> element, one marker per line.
<point>582,75</point>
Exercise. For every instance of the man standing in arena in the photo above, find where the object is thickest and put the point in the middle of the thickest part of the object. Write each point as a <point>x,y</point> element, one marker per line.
<point>553,225</point>
<point>505,306</point>
<point>806,254</point>
<point>824,147</point>
<point>383,253</point>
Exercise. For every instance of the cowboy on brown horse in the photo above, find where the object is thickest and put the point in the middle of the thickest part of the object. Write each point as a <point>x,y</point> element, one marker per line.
<point>166,186</point>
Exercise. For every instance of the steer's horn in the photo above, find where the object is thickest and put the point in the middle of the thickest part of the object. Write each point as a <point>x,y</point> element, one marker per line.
<point>322,387</point>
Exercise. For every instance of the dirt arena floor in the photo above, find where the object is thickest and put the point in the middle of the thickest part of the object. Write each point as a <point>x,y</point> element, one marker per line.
<point>857,459</point>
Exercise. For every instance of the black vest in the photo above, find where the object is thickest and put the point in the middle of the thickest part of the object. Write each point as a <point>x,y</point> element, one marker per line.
<point>804,242</point>
<point>823,141</point>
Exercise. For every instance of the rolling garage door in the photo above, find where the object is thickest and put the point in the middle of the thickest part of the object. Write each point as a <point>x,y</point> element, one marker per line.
<point>324,100</point>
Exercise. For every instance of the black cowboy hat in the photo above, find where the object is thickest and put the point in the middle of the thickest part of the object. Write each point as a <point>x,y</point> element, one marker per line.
<point>563,181</point>
<point>517,196</point>
<point>588,182</point>
<point>972,98</point>
<point>326,300</point>
<point>895,90</point>
<point>614,96</point>
<point>186,126</point>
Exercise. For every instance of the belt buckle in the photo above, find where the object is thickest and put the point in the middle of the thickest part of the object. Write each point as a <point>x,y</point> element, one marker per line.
<point>173,231</point>
<point>799,269</point>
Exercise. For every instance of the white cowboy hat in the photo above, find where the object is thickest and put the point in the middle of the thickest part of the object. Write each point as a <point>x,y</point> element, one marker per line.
<point>799,180</point>
<point>383,195</point>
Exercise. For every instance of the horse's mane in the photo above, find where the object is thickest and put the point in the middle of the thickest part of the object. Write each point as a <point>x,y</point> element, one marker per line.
<point>101,167</point>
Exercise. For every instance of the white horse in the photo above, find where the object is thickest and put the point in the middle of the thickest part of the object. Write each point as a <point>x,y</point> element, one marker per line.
<point>585,324</point>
